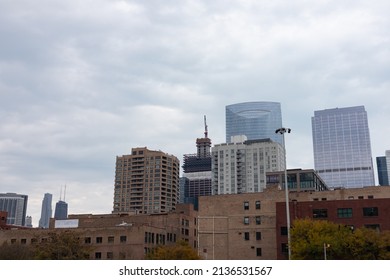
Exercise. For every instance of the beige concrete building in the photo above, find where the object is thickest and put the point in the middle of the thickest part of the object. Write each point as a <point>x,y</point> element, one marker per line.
<point>117,236</point>
<point>146,182</point>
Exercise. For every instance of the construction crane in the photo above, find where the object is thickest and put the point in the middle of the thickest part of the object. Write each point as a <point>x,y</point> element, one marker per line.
<point>205,128</point>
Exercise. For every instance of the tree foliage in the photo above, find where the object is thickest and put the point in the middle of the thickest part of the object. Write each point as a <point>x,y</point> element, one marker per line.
<point>180,251</point>
<point>309,239</point>
<point>15,252</point>
<point>61,246</point>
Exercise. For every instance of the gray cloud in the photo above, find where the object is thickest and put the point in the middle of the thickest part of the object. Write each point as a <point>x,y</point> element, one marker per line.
<point>84,81</point>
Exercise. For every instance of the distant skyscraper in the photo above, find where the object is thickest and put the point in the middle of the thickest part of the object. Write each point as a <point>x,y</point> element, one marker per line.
<point>342,147</point>
<point>241,167</point>
<point>61,211</point>
<point>46,211</point>
<point>383,166</point>
<point>146,182</point>
<point>255,120</point>
<point>16,207</point>
<point>196,179</point>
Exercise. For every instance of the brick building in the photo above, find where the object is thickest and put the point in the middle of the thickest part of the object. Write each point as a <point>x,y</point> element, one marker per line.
<point>117,236</point>
<point>253,225</point>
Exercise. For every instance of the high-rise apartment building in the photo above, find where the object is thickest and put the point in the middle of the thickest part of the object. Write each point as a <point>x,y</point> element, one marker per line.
<point>46,211</point>
<point>16,207</point>
<point>383,167</point>
<point>241,166</point>
<point>146,181</point>
<point>255,120</point>
<point>342,147</point>
<point>197,171</point>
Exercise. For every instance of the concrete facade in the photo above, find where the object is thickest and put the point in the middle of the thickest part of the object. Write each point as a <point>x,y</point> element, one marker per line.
<point>146,182</point>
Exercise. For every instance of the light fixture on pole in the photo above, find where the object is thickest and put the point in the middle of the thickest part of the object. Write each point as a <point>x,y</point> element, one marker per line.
<point>282,131</point>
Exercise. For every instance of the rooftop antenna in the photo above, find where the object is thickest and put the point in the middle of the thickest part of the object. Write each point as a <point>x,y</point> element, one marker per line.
<point>64,192</point>
<point>205,127</point>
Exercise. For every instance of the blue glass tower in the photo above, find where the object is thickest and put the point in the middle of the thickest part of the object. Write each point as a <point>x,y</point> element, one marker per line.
<point>255,120</point>
<point>342,147</point>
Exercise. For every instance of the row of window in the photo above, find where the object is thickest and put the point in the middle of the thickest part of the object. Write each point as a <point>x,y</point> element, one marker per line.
<point>110,239</point>
<point>257,205</point>
<point>345,212</point>
<point>257,220</point>
<point>257,235</point>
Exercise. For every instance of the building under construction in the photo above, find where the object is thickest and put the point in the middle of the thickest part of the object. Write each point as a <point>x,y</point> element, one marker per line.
<point>197,171</point>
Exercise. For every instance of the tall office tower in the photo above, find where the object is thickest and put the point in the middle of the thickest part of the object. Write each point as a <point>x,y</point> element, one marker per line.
<point>61,210</point>
<point>255,120</point>
<point>342,147</point>
<point>383,166</point>
<point>197,171</point>
<point>241,166</point>
<point>16,207</point>
<point>146,182</point>
<point>46,211</point>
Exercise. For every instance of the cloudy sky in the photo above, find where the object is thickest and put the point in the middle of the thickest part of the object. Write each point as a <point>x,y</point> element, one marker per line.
<point>84,81</point>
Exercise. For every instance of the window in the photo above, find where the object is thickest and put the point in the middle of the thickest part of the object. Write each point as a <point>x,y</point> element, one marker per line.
<point>283,230</point>
<point>87,240</point>
<point>246,235</point>
<point>320,213</point>
<point>99,240</point>
<point>110,239</point>
<point>370,211</point>
<point>110,255</point>
<point>258,205</point>
<point>259,252</point>
<point>258,220</point>
<point>98,255</point>
<point>246,205</point>
<point>123,239</point>
<point>284,248</point>
<point>258,235</point>
<point>23,241</point>
<point>344,212</point>
<point>373,226</point>
<point>246,220</point>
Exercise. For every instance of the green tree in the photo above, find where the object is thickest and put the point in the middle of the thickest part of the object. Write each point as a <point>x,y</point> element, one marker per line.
<point>310,239</point>
<point>180,251</point>
<point>61,246</point>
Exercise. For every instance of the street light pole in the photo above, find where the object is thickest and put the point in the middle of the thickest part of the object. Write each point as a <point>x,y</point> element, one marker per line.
<point>282,131</point>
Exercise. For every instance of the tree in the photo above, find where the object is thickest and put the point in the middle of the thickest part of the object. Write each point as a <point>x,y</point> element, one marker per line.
<point>15,252</point>
<point>61,246</point>
<point>180,251</point>
<point>311,240</point>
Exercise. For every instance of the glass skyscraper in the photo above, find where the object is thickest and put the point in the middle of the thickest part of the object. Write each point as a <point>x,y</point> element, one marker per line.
<point>46,211</point>
<point>342,147</point>
<point>255,120</point>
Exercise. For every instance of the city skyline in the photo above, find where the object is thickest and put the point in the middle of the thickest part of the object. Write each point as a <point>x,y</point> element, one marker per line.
<point>79,86</point>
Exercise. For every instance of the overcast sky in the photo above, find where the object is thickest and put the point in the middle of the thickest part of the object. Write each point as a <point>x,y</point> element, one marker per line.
<point>84,81</point>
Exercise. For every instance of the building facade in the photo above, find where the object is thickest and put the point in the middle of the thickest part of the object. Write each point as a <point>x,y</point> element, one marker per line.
<point>146,182</point>
<point>16,207</point>
<point>241,167</point>
<point>383,170</point>
<point>342,147</point>
<point>61,210</point>
<point>197,172</point>
<point>255,120</point>
<point>46,211</point>
<point>116,236</point>
<point>253,225</point>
